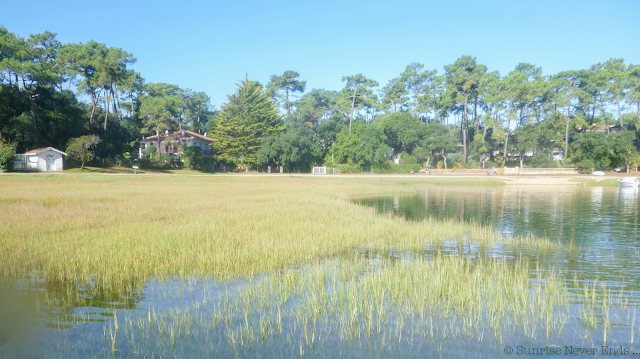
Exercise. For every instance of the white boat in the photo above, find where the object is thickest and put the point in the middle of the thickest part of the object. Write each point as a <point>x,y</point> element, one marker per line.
<point>628,182</point>
<point>598,173</point>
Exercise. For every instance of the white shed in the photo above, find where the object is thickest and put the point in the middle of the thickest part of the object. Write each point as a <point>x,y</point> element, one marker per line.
<point>42,159</point>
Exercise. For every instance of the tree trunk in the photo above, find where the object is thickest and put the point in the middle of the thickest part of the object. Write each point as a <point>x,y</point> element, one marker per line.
<point>476,123</point>
<point>93,108</point>
<point>353,103</point>
<point>158,139</point>
<point>506,139</point>
<point>415,94</point>
<point>132,112</point>
<point>116,103</point>
<point>484,133</point>
<point>566,137</point>
<point>619,112</point>
<point>464,134</point>
<point>287,92</point>
<point>93,99</point>
<point>106,109</point>
<point>606,124</point>
<point>445,160</point>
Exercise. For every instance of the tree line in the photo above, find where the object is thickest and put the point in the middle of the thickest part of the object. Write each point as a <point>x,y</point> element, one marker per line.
<point>462,115</point>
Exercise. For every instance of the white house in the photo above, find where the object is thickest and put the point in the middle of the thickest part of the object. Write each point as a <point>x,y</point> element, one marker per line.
<point>41,159</point>
<point>170,143</point>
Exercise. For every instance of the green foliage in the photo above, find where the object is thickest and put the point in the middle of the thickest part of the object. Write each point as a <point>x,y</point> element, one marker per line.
<point>327,131</point>
<point>591,150</point>
<point>394,168</point>
<point>248,117</point>
<point>7,151</point>
<point>542,159</point>
<point>81,148</point>
<point>403,130</point>
<point>439,139</point>
<point>315,105</point>
<point>280,87</point>
<point>350,168</point>
<point>294,148</point>
<point>407,159</point>
<point>356,94</point>
<point>150,151</point>
<point>192,157</point>
<point>364,147</point>
<point>623,149</point>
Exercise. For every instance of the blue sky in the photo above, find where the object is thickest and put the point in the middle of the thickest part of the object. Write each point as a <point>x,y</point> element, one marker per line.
<point>207,45</point>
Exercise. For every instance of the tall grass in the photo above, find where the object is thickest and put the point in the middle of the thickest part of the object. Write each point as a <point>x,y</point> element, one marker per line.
<point>284,263</point>
<point>117,229</point>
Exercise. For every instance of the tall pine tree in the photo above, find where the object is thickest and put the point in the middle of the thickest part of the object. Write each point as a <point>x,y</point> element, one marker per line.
<point>243,121</point>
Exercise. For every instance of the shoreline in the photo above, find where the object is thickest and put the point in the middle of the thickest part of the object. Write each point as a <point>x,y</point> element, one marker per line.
<point>509,180</point>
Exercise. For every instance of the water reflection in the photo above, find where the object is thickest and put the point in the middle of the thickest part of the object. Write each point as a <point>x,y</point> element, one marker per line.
<point>603,222</point>
<point>62,305</point>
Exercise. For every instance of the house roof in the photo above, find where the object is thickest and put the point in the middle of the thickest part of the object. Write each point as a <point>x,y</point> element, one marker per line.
<point>177,136</point>
<point>43,149</point>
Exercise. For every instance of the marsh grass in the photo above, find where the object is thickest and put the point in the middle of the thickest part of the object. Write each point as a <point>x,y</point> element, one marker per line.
<point>593,182</point>
<point>412,306</point>
<point>285,266</point>
<point>118,230</point>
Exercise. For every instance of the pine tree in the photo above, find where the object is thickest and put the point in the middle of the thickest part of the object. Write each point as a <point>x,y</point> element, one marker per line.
<point>243,121</point>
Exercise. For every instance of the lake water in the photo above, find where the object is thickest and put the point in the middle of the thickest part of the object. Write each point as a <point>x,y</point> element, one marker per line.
<point>604,222</point>
<point>273,315</point>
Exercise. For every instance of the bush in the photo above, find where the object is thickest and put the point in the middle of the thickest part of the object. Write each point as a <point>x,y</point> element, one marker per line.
<point>490,164</point>
<point>350,168</point>
<point>393,168</point>
<point>150,151</point>
<point>542,159</point>
<point>407,159</point>
<point>7,152</point>
<point>453,159</point>
<point>192,157</point>
<point>585,166</point>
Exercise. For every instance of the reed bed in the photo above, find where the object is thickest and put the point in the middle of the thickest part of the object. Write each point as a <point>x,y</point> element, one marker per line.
<point>282,266</point>
<point>116,230</point>
<point>388,307</point>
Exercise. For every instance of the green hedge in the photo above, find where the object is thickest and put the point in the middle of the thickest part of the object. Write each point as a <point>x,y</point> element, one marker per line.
<point>350,169</point>
<point>393,168</point>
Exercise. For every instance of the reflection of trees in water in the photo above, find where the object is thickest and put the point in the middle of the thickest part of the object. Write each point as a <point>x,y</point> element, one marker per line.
<point>62,304</point>
<point>603,222</point>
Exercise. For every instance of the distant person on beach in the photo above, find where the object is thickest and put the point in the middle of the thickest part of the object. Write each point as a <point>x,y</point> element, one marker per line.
<point>488,171</point>
<point>495,172</point>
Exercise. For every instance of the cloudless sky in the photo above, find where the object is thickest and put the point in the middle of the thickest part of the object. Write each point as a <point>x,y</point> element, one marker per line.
<point>209,45</point>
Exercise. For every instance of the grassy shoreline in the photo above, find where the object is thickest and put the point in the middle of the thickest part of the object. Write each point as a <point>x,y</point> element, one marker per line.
<point>312,269</point>
<point>124,227</point>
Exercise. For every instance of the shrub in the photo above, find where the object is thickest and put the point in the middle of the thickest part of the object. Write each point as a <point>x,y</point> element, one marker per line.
<point>346,168</point>
<point>542,159</point>
<point>585,166</point>
<point>192,157</point>
<point>393,168</point>
<point>407,159</point>
<point>7,151</point>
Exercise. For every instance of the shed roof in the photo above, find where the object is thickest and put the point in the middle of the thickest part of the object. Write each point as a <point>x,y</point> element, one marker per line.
<point>43,149</point>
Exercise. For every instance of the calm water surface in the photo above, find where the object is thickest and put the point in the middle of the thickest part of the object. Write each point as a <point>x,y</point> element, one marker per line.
<point>604,222</point>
